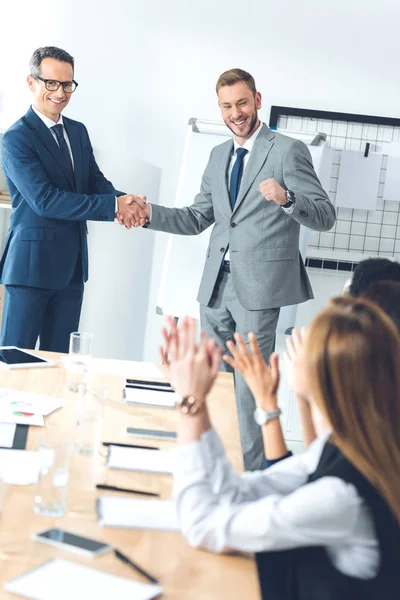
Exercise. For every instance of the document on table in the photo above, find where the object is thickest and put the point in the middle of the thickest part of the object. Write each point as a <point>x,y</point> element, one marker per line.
<point>27,402</point>
<point>134,513</point>
<point>358,180</point>
<point>142,396</point>
<point>64,579</point>
<point>19,467</point>
<point>7,434</point>
<point>136,459</point>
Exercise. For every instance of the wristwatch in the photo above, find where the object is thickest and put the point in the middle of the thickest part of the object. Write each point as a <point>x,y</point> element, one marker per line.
<point>189,405</point>
<point>290,197</point>
<point>262,416</point>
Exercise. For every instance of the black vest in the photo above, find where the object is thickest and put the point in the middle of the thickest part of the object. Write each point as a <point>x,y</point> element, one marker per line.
<point>308,573</point>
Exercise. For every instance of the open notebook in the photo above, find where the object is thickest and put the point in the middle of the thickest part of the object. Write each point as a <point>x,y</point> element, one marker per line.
<point>137,459</point>
<point>135,513</point>
<point>63,580</point>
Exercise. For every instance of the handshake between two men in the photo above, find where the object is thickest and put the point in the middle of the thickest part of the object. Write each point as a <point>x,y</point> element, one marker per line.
<point>133,210</point>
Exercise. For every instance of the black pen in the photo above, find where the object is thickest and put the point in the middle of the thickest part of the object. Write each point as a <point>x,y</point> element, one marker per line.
<point>128,561</point>
<point>113,488</point>
<point>130,446</point>
<point>142,382</point>
<point>148,388</point>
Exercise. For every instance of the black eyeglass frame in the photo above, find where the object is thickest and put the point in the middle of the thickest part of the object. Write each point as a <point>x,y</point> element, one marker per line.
<point>63,83</point>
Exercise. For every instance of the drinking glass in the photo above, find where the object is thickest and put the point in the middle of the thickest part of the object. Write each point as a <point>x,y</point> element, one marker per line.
<point>80,352</point>
<point>90,416</point>
<point>52,487</point>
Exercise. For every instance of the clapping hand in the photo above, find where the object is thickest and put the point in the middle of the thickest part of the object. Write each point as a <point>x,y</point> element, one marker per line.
<point>294,345</point>
<point>192,366</point>
<point>263,380</point>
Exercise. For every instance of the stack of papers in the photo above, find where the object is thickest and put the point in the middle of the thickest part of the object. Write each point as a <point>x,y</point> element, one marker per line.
<point>136,459</point>
<point>19,467</point>
<point>63,579</point>
<point>26,408</point>
<point>146,396</point>
<point>134,513</point>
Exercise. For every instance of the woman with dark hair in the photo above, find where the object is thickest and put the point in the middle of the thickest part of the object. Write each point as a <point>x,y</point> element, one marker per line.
<point>333,511</point>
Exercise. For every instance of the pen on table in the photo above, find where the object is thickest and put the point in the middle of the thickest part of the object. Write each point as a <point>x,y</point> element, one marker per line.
<point>128,561</point>
<point>113,488</point>
<point>148,388</point>
<point>130,446</point>
<point>142,382</point>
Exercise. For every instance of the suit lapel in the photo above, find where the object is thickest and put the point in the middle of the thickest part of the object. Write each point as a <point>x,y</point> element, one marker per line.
<point>258,156</point>
<point>223,178</point>
<point>75,142</point>
<point>47,138</point>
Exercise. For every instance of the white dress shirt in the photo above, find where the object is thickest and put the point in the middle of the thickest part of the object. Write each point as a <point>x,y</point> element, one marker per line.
<point>275,509</point>
<point>49,124</point>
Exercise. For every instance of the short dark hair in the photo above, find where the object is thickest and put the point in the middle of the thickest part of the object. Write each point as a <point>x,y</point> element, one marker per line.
<point>48,52</point>
<point>234,76</point>
<point>386,294</point>
<point>370,271</point>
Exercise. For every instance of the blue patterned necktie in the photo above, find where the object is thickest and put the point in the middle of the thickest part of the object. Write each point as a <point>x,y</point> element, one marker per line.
<point>66,157</point>
<point>236,175</point>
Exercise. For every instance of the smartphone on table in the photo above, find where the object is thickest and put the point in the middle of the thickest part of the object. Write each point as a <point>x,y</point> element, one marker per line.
<point>71,541</point>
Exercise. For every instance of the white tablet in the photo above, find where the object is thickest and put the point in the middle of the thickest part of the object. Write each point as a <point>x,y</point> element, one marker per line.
<point>15,358</point>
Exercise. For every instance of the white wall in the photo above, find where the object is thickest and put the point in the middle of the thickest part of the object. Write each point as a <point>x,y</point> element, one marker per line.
<point>145,68</point>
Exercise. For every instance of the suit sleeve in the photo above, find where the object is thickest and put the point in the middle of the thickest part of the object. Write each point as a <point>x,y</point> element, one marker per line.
<point>312,208</point>
<point>190,220</point>
<point>23,167</point>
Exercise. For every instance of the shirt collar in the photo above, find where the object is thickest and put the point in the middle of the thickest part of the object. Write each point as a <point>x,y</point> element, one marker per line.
<point>48,122</point>
<point>248,145</point>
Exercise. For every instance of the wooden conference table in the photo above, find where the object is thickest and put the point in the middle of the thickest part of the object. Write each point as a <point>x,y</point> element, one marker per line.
<point>183,572</point>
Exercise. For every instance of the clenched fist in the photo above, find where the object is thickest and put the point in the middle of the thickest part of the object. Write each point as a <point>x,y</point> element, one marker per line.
<point>271,190</point>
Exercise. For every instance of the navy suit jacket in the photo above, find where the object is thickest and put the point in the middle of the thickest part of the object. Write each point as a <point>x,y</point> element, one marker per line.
<point>48,222</point>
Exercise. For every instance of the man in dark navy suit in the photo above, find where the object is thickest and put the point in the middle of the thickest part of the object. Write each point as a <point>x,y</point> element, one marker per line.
<point>55,186</point>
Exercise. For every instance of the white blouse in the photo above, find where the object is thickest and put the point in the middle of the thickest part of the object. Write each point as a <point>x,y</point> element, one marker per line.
<point>273,509</point>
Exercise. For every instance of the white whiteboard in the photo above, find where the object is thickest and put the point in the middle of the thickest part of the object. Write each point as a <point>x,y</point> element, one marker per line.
<point>185,256</point>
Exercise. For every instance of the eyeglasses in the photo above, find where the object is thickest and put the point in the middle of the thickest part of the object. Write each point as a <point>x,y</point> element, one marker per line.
<point>52,85</point>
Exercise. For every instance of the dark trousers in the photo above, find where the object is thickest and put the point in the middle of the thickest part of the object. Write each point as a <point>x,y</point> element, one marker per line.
<point>51,315</point>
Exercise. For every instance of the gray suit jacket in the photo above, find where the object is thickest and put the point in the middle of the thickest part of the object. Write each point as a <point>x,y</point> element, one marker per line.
<point>266,266</point>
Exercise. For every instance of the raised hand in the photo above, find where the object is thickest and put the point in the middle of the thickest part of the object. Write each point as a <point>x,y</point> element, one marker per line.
<point>294,345</point>
<point>271,190</point>
<point>192,367</point>
<point>167,333</point>
<point>133,211</point>
<point>263,380</point>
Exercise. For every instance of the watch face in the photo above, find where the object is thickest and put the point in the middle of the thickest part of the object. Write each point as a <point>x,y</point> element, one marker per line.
<point>260,416</point>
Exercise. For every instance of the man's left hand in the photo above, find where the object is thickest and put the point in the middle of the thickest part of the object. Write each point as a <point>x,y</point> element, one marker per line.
<point>271,190</point>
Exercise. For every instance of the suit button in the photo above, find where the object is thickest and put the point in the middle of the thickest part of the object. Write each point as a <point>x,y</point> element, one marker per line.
<point>233,224</point>
<point>222,249</point>
<point>303,213</point>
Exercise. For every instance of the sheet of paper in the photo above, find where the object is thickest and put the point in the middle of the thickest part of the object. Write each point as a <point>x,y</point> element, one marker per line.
<point>134,513</point>
<point>125,368</point>
<point>391,190</point>
<point>322,158</point>
<point>7,434</point>
<point>19,467</point>
<point>21,418</point>
<point>144,397</point>
<point>136,459</point>
<point>358,180</point>
<point>63,579</point>
<point>28,402</point>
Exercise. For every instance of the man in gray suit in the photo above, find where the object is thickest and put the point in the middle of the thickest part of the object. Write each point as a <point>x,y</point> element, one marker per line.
<point>253,265</point>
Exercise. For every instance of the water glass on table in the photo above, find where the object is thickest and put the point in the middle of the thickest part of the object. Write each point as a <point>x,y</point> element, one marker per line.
<point>80,353</point>
<point>90,417</point>
<point>52,487</point>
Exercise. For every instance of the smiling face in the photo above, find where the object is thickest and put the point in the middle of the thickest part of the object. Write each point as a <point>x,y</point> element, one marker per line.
<point>51,104</point>
<point>239,108</point>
